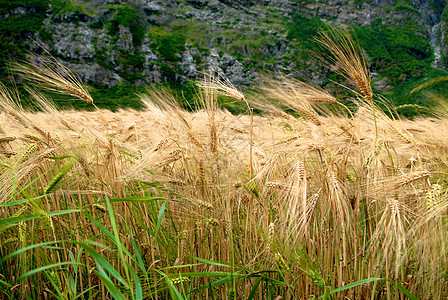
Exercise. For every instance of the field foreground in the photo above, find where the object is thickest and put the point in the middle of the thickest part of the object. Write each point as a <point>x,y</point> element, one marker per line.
<point>210,205</point>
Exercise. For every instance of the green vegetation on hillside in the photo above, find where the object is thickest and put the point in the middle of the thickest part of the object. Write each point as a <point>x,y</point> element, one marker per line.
<point>403,55</point>
<point>127,17</point>
<point>167,44</point>
<point>302,31</point>
<point>399,52</point>
<point>19,19</point>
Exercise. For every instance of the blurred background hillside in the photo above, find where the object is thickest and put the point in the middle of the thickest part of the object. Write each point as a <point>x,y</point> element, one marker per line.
<point>118,47</point>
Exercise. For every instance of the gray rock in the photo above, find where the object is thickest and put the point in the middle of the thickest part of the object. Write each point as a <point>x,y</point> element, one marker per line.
<point>20,11</point>
<point>235,73</point>
<point>196,53</point>
<point>188,65</point>
<point>73,42</point>
<point>382,85</point>
<point>94,74</point>
<point>187,57</point>
<point>226,61</point>
<point>151,7</point>
<point>148,54</point>
<point>125,40</point>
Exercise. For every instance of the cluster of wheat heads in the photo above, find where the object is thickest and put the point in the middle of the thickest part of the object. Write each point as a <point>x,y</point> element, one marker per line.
<point>167,203</point>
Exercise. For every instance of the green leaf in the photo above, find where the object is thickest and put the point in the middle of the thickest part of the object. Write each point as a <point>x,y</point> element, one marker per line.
<point>175,294</point>
<point>229,278</point>
<point>360,282</point>
<point>55,286</point>
<point>159,219</point>
<point>254,289</point>
<point>211,262</point>
<point>128,199</point>
<point>354,284</point>
<point>9,294</point>
<point>104,263</point>
<point>117,237</point>
<point>32,272</point>
<point>15,220</point>
<point>22,201</point>
<point>27,248</point>
<point>107,233</point>
<point>85,291</point>
<point>115,292</point>
<point>403,290</point>
<point>138,285</point>
<point>137,253</point>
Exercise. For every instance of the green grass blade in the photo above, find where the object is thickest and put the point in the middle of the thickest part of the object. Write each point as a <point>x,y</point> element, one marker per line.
<point>254,289</point>
<point>159,219</point>
<point>129,199</point>
<point>85,291</point>
<point>138,285</point>
<point>152,233</point>
<point>32,272</point>
<point>115,292</point>
<point>15,220</point>
<point>229,278</point>
<point>62,212</point>
<point>326,295</point>
<point>11,255</point>
<point>10,295</point>
<point>8,286</point>
<point>55,285</point>
<point>175,294</point>
<point>22,201</point>
<point>211,262</point>
<point>117,239</point>
<point>210,274</point>
<point>107,233</point>
<point>137,254</point>
<point>361,282</point>
<point>98,258</point>
<point>403,290</point>
<point>354,284</point>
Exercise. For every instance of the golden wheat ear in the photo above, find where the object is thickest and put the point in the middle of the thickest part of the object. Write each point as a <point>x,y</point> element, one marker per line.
<point>222,86</point>
<point>49,74</point>
<point>341,52</point>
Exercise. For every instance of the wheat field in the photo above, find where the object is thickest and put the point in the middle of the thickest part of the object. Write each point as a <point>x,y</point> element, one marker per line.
<point>322,202</point>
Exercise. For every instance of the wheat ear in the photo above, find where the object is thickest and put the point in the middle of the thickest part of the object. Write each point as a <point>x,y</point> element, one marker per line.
<point>57,178</point>
<point>52,76</point>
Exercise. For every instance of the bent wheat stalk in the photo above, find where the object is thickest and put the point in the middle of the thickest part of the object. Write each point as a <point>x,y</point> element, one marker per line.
<point>52,76</point>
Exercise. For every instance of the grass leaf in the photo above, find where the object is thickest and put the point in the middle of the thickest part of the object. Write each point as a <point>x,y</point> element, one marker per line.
<point>159,219</point>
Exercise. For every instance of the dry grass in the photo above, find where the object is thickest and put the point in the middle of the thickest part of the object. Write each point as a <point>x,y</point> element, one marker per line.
<point>352,203</point>
<point>211,205</point>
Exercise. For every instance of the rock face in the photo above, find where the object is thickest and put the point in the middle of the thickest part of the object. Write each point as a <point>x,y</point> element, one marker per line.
<point>143,41</point>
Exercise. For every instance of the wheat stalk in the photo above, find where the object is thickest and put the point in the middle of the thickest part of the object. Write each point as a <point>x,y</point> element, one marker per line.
<point>344,54</point>
<point>52,76</point>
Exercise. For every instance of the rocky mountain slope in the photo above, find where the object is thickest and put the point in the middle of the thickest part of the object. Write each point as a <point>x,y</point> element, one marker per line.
<point>136,42</point>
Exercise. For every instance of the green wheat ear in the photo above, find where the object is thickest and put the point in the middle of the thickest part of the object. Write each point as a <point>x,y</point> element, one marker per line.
<point>55,180</point>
